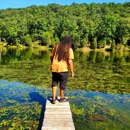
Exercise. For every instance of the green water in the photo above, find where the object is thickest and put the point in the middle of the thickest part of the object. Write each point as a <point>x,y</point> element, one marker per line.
<point>99,94</point>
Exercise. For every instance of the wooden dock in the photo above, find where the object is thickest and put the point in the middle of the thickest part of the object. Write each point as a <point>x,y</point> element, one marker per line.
<point>57,116</point>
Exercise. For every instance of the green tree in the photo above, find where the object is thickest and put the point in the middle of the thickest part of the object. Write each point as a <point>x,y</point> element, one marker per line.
<point>84,22</point>
<point>28,41</point>
<point>46,38</point>
<point>76,40</point>
<point>113,45</point>
<point>94,43</point>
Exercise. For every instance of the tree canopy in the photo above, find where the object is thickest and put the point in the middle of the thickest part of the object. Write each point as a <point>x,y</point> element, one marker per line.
<point>93,25</point>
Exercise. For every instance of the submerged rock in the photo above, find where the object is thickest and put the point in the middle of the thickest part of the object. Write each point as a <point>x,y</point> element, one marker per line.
<point>97,118</point>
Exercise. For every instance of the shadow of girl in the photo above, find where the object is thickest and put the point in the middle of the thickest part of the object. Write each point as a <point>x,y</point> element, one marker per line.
<point>35,96</point>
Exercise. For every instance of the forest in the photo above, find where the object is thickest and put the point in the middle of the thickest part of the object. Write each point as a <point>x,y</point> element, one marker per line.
<point>90,25</point>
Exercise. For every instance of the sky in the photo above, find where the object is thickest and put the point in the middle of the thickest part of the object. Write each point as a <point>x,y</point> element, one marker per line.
<point>25,3</point>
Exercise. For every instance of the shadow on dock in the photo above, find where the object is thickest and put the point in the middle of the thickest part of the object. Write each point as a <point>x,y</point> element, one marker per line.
<point>35,96</point>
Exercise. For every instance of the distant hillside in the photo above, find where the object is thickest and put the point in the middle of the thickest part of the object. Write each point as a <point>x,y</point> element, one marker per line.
<point>93,25</point>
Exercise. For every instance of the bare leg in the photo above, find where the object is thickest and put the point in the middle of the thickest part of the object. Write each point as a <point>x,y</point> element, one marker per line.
<point>62,98</point>
<point>54,92</point>
<point>62,91</point>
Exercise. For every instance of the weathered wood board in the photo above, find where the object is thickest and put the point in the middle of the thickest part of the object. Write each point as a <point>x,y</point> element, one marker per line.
<point>58,116</point>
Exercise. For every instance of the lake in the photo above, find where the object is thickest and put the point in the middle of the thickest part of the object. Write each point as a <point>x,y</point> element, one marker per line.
<point>99,94</point>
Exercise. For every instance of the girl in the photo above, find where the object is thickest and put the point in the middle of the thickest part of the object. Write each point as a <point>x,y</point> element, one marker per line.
<point>61,59</point>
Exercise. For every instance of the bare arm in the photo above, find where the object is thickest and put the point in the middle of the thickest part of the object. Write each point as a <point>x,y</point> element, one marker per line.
<point>70,66</point>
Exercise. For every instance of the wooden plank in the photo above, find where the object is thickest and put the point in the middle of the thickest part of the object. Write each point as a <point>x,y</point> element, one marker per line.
<point>56,106</point>
<point>58,116</point>
<point>58,109</point>
<point>59,123</point>
<point>63,112</point>
<point>57,103</point>
<point>58,128</point>
<point>57,120</point>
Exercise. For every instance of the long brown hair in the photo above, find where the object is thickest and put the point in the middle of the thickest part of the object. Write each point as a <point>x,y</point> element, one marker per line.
<point>63,48</point>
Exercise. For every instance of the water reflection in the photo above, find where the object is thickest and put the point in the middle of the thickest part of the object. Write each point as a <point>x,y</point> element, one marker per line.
<point>21,106</point>
<point>20,55</point>
<point>103,56</point>
<point>100,111</point>
<point>93,56</point>
<point>95,72</point>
